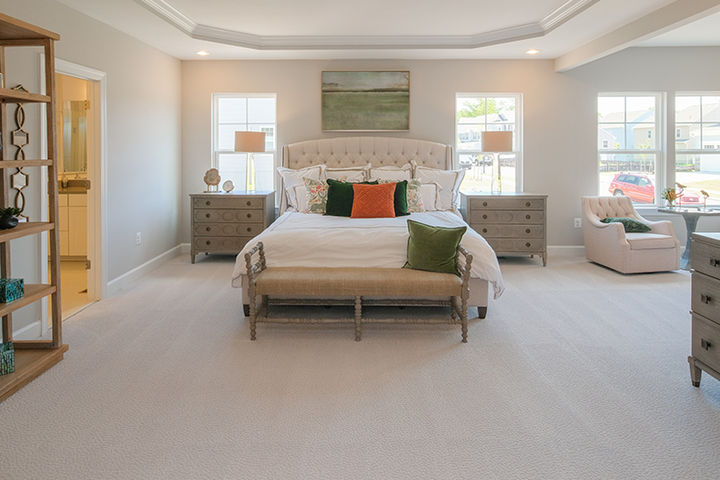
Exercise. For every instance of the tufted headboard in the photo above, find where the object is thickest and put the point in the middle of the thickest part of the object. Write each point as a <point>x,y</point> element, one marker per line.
<point>343,152</point>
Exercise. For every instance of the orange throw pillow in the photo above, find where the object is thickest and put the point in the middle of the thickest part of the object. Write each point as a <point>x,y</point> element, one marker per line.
<point>373,201</point>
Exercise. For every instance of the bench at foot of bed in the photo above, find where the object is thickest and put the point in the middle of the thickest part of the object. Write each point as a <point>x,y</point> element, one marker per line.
<point>356,283</point>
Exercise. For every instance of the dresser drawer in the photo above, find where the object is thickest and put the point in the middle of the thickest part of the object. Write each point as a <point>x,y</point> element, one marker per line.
<point>494,203</point>
<point>706,341</point>
<point>214,216</point>
<point>228,202</point>
<point>510,231</point>
<point>227,229</point>
<point>220,244</point>
<point>705,297</point>
<point>705,258</point>
<point>510,245</point>
<point>507,216</point>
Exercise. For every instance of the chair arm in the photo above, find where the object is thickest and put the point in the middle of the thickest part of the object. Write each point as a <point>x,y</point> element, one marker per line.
<point>663,227</point>
<point>612,231</point>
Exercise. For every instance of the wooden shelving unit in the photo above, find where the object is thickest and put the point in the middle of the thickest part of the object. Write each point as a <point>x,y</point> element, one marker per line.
<point>35,356</point>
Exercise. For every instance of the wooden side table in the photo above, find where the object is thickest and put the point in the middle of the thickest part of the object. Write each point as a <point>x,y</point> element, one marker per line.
<point>225,222</point>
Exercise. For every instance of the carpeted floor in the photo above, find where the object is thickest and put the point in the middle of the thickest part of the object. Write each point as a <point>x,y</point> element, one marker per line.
<point>577,372</point>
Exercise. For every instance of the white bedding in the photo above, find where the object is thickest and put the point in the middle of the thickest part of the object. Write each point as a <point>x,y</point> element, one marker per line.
<point>310,240</point>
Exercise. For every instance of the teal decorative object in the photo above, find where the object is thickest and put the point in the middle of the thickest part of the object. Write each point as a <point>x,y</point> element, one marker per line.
<point>11,289</point>
<point>7,358</point>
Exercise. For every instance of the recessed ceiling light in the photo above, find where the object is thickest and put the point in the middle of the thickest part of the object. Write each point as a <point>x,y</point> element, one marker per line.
<point>532,51</point>
<point>203,53</point>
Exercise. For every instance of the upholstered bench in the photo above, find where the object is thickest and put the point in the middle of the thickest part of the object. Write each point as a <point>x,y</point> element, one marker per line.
<point>399,284</point>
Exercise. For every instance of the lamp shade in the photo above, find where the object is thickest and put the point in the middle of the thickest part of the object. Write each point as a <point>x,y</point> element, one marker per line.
<point>249,141</point>
<point>497,141</point>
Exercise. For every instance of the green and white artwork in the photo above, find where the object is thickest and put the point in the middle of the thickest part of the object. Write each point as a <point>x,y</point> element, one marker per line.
<point>365,101</point>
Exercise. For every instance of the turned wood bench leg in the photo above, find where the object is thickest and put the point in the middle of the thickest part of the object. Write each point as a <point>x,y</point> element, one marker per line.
<point>358,318</point>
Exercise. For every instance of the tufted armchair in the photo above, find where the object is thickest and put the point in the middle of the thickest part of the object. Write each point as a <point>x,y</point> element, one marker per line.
<point>609,245</point>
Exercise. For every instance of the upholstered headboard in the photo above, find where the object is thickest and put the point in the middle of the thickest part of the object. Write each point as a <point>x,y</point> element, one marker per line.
<point>358,151</point>
<point>344,152</point>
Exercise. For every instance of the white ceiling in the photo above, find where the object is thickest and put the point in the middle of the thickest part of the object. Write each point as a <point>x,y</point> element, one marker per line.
<point>329,20</point>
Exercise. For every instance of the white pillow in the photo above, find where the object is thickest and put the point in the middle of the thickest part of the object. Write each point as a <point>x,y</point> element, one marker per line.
<point>293,178</point>
<point>350,174</point>
<point>391,173</point>
<point>301,197</point>
<point>448,180</point>
<point>429,192</point>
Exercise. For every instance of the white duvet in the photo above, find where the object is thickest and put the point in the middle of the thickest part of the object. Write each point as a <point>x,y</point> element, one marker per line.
<point>311,240</point>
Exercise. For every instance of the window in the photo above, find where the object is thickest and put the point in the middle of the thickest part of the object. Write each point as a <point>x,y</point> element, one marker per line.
<point>244,112</point>
<point>476,113</point>
<point>628,145</point>
<point>697,147</point>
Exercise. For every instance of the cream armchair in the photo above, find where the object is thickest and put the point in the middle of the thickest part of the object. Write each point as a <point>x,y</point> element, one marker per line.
<point>609,245</point>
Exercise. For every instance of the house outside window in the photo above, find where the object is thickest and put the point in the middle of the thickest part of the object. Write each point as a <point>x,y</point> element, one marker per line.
<point>233,112</point>
<point>629,149</point>
<point>479,112</point>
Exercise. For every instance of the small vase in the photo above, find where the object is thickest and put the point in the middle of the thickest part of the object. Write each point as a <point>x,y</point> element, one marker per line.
<point>8,221</point>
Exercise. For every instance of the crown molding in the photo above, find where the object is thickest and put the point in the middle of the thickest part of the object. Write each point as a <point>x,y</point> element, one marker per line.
<point>170,14</point>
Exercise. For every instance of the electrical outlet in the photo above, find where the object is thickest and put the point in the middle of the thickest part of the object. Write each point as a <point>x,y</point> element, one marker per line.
<point>138,238</point>
<point>577,222</point>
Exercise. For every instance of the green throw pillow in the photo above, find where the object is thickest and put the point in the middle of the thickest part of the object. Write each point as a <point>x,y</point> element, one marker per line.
<point>340,197</point>
<point>401,202</point>
<point>433,249</point>
<point>631,225</point>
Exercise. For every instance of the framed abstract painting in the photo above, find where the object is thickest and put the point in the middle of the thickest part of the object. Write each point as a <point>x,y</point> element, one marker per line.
<point>366,101</point>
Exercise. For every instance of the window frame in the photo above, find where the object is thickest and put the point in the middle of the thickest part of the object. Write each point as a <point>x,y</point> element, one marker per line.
<point>214,127</point>
<point>517,137</point>
<point>695,151</point>
<point>660,140</point>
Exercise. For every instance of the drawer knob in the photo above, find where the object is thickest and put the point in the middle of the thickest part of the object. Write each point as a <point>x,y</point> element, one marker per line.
<point>484,230</point>
<point>527,244</point>
<point>207,203</point>
<point>249,215</point>
<point>527,204</point>
<point>207,242</point>
<point>705,344</point>
<point>527,217</point>
<point>207,229</point>
<point>484,217</point>
<point>714,262</point>
<point>249,229</point>
<point>207,215</point>
<point>249,203</point>
<point>706,299</point>
<point>527,230</point>
<point>484,204</point>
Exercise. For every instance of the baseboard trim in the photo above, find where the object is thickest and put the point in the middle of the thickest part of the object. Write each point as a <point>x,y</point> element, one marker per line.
<point>566,250</point>
<point>33,331</point>
<point>184,248</point>
<point>130,278</point>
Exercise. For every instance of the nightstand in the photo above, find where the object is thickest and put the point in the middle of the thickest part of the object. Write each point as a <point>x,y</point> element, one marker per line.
<point>225,222</point>
<point>512,223</point>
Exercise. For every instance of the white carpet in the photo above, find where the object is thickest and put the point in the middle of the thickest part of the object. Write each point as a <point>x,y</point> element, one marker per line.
<point>578,372</point>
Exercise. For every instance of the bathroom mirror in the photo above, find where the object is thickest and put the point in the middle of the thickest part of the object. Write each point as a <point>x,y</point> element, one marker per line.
<point>74,132</point>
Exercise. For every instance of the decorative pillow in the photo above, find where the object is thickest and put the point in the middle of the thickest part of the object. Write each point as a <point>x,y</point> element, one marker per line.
<point>401,201</point>
<point>414,198</point>
<point>293,178</point>
<point>301,197</point>
<point>340,197</point>
<point>373,201</point>
<point>448,180</point>
<point>430,193</point>
<point>629,224</point>
<point>433,249</point>
<point>351,174</point>
<point>317,194</point>
<point>391,173</point>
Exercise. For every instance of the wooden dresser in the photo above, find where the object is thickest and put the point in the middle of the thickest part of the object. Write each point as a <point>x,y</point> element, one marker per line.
<point>705,261</point>
<point>512,223</point>
<point>225,222</point>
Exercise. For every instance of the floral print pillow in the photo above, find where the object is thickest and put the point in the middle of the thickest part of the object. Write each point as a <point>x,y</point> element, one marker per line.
<point>414,199</point>
<point>317,193</point>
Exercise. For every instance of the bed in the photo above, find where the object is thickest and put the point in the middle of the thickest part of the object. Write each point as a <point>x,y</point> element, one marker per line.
<point>298,239</point>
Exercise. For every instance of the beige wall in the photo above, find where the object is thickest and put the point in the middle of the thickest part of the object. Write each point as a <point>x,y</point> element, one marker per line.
<point>559,109</point>
<point>143,125</point>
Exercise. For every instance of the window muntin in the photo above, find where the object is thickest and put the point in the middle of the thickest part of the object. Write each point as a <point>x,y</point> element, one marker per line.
<point>697,145</point>
<point>629,145</point>
<point>479,112</point>
<point>244,112</point>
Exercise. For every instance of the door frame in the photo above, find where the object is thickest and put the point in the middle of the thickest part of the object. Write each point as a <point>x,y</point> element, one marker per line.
<point>97,201</point>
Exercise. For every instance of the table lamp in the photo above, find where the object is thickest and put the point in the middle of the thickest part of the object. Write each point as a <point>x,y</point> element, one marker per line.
<point>250,142</point>
<point>495,143</point>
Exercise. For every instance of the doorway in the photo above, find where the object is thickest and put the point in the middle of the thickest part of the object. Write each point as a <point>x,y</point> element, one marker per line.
<point>77,141</point>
